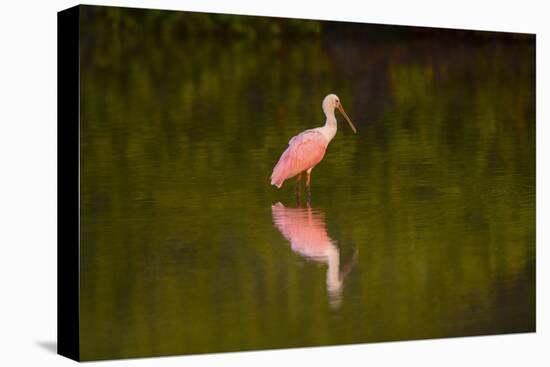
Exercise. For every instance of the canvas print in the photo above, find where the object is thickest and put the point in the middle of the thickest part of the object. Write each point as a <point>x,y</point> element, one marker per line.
<point>255,183</point>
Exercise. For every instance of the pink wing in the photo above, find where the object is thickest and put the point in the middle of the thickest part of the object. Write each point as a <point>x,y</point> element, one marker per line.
<point>304,151</point>
<point>305,229</point>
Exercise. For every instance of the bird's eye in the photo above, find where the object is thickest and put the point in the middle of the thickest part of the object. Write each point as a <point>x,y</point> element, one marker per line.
<point>337,101</point>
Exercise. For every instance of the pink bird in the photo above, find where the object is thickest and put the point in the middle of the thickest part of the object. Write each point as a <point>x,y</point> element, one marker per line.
<point>308,148</point>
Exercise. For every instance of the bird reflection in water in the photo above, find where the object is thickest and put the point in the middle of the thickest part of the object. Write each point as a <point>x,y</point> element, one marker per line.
<point>306,231</point>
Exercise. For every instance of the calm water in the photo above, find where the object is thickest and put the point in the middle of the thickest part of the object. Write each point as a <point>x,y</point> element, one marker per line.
<point>422,225</point>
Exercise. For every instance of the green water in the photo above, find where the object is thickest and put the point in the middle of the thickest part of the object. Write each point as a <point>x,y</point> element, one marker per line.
<point>429,208</point>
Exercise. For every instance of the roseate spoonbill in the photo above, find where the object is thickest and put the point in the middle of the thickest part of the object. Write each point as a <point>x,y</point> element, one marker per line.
<point>306,231</point>
<point>308,148</point>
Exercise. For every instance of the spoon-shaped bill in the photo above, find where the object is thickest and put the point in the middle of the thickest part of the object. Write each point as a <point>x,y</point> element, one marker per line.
<point>347,118</point>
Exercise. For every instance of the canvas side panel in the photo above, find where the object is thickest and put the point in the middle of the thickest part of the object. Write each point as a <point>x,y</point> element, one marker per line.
<point>68,183</point>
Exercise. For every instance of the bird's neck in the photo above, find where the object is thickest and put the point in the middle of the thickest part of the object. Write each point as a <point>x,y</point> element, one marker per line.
<point>330,127</point>
<point>334,281</point>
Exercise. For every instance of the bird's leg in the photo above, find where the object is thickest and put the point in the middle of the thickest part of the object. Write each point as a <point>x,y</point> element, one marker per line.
<point>308,181</point>
<point>298,180</point>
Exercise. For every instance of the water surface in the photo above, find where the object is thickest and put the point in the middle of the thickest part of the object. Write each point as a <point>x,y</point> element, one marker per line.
<point>422,225</point>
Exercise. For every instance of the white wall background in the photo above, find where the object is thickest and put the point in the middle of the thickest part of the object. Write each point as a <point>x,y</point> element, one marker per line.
<point>28,182</point>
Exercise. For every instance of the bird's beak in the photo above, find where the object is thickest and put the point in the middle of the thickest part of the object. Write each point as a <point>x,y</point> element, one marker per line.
<point>347,118</point>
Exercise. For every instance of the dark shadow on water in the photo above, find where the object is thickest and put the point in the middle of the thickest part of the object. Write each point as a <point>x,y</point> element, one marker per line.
<point>49,345</point>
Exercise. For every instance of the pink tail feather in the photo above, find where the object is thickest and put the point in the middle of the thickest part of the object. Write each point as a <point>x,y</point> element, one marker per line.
<point>276,178</point>
<point>280,172</point>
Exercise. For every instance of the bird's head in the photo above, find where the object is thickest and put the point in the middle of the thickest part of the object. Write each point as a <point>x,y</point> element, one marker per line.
<point>332,102</point>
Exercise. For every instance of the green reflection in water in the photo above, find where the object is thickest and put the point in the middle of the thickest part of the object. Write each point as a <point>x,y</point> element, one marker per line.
<point>433,201</point>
